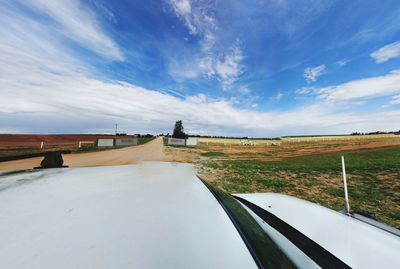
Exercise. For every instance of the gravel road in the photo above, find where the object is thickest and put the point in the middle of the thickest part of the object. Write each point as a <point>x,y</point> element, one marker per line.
<point>151,151</point>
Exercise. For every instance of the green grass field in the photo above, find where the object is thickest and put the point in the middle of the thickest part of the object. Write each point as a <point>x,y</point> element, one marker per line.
<point>373,178</point>
<point>213,154</point>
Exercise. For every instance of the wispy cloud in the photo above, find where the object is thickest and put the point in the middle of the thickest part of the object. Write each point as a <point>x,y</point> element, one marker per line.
<point>278,96</point>
<point>105,11</point>
<point>183,9</point>
<point>395,100</point>
<point>312,73</point>
<point>244,89</point>
<point>78,23</point>
<point>200,20</point>
<point>358,89</point>
<point>293,16</point>
<point>227,67</point>
<point>342,62</point>
<point>307,90</point>
<point>58,92</point>
<point>386,53</point>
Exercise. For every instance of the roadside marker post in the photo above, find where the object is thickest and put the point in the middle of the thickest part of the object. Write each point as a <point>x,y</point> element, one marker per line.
<point>346,196</point>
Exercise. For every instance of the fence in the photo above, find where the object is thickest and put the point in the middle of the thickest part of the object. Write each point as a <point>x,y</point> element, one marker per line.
<point>105,142</point>
<point>126,141</point>
<point>237,141</point>
<point>176,141</point>
<point>58,142</point>
<point>340,138</point>
<point>191,142</point>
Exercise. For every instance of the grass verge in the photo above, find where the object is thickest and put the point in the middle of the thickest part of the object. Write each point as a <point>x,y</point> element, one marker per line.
<point>373,178</point>
<point>213,154</point>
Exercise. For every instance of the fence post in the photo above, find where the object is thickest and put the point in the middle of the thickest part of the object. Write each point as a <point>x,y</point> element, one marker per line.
<point>80,144</point>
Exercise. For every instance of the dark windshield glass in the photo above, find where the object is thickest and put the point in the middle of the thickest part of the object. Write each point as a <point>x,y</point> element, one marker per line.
<point>265,251</point>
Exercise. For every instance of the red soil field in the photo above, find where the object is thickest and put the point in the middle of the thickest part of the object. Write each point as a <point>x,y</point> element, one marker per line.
<point>33,140</point>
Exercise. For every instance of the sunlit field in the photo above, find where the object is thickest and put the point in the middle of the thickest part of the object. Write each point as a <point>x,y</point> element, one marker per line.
<point>309,170</point>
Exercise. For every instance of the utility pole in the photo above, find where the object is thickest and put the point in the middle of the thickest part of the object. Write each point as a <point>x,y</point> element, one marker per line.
<point>116,128</point>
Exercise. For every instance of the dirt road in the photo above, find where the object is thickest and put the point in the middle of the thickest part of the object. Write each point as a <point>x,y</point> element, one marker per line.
<point>151,151</point>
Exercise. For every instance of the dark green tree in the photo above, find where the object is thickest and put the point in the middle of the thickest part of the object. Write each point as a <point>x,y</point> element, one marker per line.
<point>178,130</point>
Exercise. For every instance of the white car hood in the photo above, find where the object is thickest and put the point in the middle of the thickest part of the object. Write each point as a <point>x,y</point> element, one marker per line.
<point>149,215</point>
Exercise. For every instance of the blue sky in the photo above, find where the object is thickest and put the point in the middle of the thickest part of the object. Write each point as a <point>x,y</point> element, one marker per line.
<point>253,68</point>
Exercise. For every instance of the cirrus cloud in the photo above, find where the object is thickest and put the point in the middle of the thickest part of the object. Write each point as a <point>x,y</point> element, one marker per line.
<point>78,23</point>
<point>312,73</point>
<point>386,53</point>
<point>363,88</point>
<point>225,65</point>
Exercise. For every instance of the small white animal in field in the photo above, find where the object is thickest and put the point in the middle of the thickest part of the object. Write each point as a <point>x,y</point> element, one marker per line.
<point>252,142</point>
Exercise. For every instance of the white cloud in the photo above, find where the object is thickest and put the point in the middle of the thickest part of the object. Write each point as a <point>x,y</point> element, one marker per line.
<point>70,100</point>
<point>386,53</point>
<point>10,130</point>
<point>342,62</point>
<point>106,12</point>
<point>364,88</point>
<point>58,93</point>
<point>200,21</point>
<point>75,21</point>
<point>229,68</point>
<point>183,10</point>
<point>244,89</point>
<point>291,17</point>
<point>395,100</point>
<point>182,7</point>
<point>181,70</point>
<point>279,96</point>
<point>225,67</point>
<point>196,16</point>
<point>307,90</point>
<point>75,102</point>
<point>311,73</point>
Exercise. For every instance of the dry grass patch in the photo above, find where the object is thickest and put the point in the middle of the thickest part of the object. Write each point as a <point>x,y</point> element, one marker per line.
<point>373,175</point>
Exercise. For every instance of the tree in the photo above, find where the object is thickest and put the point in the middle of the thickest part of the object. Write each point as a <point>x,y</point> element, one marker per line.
<point>178,130</point>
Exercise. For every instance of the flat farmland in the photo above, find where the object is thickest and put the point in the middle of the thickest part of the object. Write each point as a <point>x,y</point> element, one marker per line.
<point>269,150</point>
<point>27,144</point>
<point>235,141</point>
<point>12,141</point>
<point>296,139</point>
<point>308,169</point>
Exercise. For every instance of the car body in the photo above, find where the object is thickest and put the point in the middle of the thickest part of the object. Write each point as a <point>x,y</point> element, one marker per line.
<point>161,215</point>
